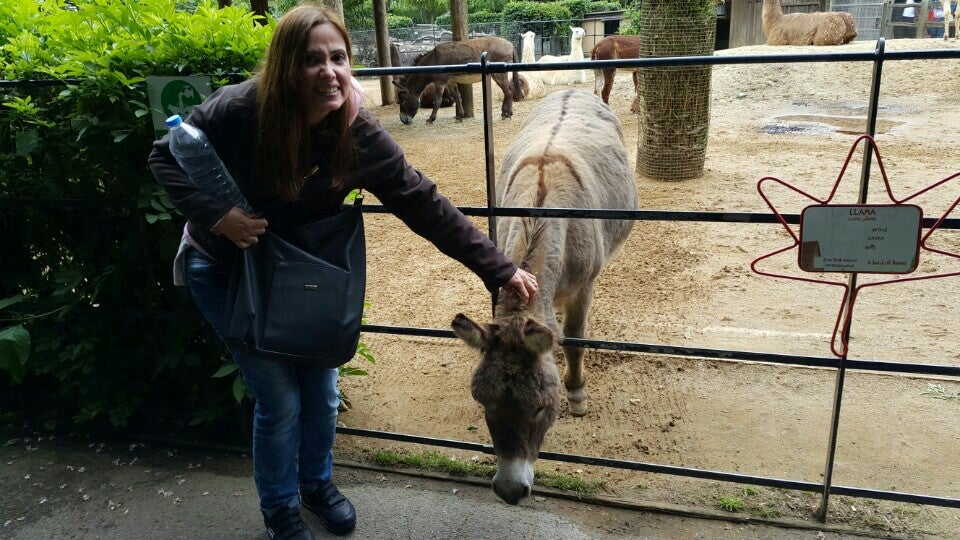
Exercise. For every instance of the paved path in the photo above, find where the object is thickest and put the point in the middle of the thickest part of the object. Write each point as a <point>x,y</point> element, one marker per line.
<point>55,489</point>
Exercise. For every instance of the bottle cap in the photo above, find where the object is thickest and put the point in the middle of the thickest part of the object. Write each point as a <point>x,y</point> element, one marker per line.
<point>174,121</point>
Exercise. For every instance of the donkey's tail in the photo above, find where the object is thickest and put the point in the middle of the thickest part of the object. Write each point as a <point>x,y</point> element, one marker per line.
<point>517,90</point>
<point>597,74</point>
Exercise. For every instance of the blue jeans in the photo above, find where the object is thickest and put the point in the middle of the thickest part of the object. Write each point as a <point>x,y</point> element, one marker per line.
<point>295,415</point>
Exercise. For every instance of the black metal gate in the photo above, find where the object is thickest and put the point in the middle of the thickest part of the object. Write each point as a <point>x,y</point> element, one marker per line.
<point>840,365</point>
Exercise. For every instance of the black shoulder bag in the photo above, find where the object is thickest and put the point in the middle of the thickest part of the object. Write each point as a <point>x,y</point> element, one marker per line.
<point>297,294</point>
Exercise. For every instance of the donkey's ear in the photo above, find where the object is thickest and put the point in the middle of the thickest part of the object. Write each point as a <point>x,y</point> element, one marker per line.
<point>537,337</point>
<point>470,332</point>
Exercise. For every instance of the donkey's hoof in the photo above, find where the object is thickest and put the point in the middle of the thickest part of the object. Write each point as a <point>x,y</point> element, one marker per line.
<point>577,400</point>
<point>579,408</point>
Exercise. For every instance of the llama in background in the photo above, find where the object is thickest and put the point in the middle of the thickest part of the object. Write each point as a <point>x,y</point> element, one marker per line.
<point>576,54</point>
<point>615,48</point>
<point>818,28</point>
<point>950,17</point>
<point>578,76</point>
<point>536,88</point>
<point>527,52</point>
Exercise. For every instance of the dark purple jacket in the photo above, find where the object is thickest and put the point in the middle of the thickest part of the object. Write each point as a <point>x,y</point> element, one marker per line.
<point>228,119</point>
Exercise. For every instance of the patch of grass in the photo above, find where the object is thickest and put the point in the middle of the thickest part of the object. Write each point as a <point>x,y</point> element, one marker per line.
<point>904,511</point>
<point>729,504</point>
<point>750,491</point>
<point>937,391</point>
<point>763,510</point>
<point>567,482</point>
<point>435,461</point>
<point>876,523</point>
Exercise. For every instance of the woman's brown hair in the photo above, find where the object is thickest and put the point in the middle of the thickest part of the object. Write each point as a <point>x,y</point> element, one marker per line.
<point>282,131</point>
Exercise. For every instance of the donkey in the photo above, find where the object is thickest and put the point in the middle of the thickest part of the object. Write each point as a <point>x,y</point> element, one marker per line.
<point>409,87</point>
<point>568,154</point>
<point>615,48</point>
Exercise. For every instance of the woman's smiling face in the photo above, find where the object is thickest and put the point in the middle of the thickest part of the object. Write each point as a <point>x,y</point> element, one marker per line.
<point>326,73</point>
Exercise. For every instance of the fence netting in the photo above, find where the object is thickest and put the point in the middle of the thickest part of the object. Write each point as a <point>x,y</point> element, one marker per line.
<point>674,102</point>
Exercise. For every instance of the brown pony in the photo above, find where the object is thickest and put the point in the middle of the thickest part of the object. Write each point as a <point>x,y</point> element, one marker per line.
<point>409,87</point>
<point>615,48</point>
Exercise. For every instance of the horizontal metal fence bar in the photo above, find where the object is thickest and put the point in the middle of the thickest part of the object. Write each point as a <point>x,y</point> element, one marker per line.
<point>667,61</point>
<point>589,460</point>
<point>697,352</point>
<point>895,496</point>
<point>403,437</point>
<point>643,215</point>
<point>407,331</point>
<point>483,211</point>
<point>8,202</point>
<point>674,470</point>
<point>502,67</point>
<point>37,82</point>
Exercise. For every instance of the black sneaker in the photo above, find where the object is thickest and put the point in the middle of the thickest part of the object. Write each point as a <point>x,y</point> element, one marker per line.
<point>335,511</point>
<point>285,523</point>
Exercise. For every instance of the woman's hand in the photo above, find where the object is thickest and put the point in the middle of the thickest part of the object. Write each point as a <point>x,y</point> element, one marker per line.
<point>241,228</point>
<point>524,284</point>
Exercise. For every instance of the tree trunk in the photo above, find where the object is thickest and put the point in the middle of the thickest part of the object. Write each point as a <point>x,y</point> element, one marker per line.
<point>458,25</point>
<point>224,3</point>
<point>260,10</point>
<point>383,49</point>
<point>336,5</point>
<point>674,103</point>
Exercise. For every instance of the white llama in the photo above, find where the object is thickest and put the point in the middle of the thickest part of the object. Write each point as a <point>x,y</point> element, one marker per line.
<point>578,76</point>
<point>576,54</point>
<point>527,50</point>
<point>535,85</point>
<point>950,17</point>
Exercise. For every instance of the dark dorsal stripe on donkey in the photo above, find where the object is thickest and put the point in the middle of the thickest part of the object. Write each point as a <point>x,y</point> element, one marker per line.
<point>409,87</point>
<point>569,154</point>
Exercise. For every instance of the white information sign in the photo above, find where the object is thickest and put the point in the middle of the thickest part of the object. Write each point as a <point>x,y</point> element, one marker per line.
<point>882,239</point>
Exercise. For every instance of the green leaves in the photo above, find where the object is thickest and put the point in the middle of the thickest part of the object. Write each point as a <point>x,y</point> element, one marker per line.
<point>14,351</point>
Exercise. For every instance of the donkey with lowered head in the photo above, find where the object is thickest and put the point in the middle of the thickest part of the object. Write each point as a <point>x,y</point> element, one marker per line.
<point>409,87</point>
<point>569,154</point>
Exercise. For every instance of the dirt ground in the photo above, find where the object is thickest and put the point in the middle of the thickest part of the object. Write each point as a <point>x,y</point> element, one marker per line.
<point>690,284</point>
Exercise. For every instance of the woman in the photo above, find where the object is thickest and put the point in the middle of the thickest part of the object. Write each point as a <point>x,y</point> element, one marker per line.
<point>296,141</point>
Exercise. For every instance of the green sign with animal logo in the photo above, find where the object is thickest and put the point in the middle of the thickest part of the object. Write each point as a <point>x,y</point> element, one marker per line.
<point>174,95</point>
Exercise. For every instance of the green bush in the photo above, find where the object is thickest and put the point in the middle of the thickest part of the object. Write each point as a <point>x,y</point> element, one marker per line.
<point>399,21</point>
<point>91,328</point>
<point>579,7</point>
<point>487,6</point>
<point>523,16</point>
<point>474,18</point>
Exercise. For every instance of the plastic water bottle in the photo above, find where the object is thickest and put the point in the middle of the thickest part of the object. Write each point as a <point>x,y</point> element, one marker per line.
<point>199,159</point>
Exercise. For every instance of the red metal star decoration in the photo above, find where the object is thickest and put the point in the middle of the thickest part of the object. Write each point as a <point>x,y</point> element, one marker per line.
<point>852,296</point>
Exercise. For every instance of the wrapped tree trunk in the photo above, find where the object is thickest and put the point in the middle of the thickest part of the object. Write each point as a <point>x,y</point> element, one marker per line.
<point>674,104</point>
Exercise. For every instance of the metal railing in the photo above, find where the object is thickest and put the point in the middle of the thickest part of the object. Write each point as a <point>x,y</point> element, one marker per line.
<point>878,57</point>
<point>841,364</point>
